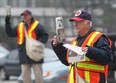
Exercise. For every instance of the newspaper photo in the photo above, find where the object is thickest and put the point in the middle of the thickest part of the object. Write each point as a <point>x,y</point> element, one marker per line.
<point>60,29</point>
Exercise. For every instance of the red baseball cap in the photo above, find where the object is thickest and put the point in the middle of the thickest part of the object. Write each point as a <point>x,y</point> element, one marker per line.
<point>25,12</point>
<point>81,15</point>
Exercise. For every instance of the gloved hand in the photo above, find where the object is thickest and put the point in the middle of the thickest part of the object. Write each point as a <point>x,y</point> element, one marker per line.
<point>7,19</point>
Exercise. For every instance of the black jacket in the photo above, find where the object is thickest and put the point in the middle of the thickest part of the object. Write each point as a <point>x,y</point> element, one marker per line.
<point>41,34</point>
<point>100,52</point>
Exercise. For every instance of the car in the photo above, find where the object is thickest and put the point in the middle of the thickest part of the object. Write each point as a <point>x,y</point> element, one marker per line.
<point>53,72</point>
<point>3,52</point>
<point>56,73</point>
<point>9,65</point>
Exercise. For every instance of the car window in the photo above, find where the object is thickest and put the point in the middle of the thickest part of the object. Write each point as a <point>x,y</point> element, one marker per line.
<point>13,55</point>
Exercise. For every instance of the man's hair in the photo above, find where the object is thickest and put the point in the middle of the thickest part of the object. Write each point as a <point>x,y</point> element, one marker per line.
<point>88,21</point>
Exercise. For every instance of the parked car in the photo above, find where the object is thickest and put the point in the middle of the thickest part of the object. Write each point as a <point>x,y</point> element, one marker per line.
<point>9,65</point>
<point>56,73</point>
<point>53,72</point>
<point>3,51</point>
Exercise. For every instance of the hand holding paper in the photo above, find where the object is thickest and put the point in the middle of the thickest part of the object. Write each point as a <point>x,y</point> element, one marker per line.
<point>76,49</point>
<point>80,56</point>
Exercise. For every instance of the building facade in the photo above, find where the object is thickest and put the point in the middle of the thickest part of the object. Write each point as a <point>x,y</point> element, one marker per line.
<point>47,10</point>
<point>44,10</point>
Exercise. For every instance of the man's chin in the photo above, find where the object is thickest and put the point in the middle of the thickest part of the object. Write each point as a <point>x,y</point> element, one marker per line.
<point>77,31</point>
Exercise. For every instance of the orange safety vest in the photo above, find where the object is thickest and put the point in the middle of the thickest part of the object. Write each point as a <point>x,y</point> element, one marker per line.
<point>85,67</point>
<point>30,31</point>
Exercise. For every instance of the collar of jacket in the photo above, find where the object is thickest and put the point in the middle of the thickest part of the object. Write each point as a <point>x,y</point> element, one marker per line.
<point>32,19</point>
<point>90,30</point>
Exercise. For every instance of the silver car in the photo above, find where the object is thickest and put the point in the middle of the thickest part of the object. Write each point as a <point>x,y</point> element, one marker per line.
<point>53,72</point>
<point>9,63</point>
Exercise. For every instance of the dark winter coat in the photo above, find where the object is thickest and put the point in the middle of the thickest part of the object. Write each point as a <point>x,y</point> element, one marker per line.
<point>41,34</point>
<point>100,52</point>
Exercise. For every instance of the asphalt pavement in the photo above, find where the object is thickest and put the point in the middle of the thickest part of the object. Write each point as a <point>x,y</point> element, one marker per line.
<point>15,79</point>
<point>9,81</point>
<point>12,80</point>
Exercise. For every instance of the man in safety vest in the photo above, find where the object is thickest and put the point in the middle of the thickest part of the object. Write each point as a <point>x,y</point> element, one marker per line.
<point>96,45</point>
<point>34,30</point>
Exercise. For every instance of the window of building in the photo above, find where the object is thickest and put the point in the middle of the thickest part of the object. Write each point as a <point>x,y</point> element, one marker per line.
<point>51,21</point>
<point>48,23</point>
<point>52,3</point>
<point>29,3</point>
<point>2,22</point>
<point>15,21</point>
<point>23,3</point>
<point>33,3</point>
<point>41,20</point>
<point>14,3</point>
<point>68,27</point>
<point>66,4</point>
<point>3,3</point>
<point>9,2</point>
<point>45,3</point>
<point>58,3</point>
<point>38,3</point>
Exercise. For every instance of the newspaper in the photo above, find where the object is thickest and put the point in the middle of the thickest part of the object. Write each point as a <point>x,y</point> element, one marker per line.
<point>60,29</point>
<point>75,53</point>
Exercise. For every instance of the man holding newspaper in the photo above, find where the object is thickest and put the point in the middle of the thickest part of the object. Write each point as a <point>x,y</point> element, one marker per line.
<point>94,48</point>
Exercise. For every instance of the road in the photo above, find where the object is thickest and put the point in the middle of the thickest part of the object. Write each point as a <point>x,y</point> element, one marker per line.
<point>12,80</point>
<point>9,81</point>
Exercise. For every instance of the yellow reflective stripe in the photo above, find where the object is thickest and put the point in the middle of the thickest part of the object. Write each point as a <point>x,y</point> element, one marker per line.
<point>71,71</point>
<point>32,28</point>
<point>90,41</point>
<point>87,76</point>
<point>92,38</point>
<point>74,43</point>
<point>87,73</point>
<point>20,32</point>
<point>87,59</point>
<point>90,66</point>
<point>71,67</point>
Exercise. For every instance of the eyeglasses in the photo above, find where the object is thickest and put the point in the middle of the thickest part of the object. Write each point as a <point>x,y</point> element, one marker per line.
<point>78,22</point>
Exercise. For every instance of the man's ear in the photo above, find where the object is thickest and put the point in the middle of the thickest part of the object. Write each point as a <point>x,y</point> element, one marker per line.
<point>88,22</point>
<point>85,22</point>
